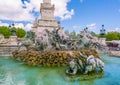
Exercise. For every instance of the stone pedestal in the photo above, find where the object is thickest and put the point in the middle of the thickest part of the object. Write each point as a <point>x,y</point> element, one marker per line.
<point>1,38</point>
<point>102,41</point>
<point>13,40</point>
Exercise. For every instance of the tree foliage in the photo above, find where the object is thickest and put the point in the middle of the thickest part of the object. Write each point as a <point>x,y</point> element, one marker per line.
<point>20,32</point>
<point>112,36</point>
<point>6,31</point>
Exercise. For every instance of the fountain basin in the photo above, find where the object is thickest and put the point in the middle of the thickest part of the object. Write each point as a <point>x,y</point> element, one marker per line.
<point>16,73</point>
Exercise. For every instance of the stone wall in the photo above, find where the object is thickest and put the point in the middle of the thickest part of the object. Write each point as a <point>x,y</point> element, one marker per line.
<point>6,50</point>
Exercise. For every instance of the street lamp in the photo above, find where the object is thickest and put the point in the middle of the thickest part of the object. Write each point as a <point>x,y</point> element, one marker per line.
<point>85,29</point>
<point>102,31</point>
<point>12,30</point>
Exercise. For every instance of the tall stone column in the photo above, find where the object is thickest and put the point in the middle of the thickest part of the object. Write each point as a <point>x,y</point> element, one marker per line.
<point>46,1</point>
<point>47,10</point>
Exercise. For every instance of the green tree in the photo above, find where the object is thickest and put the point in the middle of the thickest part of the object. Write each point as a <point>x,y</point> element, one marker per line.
<point>20,32</point>
<point>73,35</point>
<point>119,36</point>
<point>112,36</point>
<point>6,31</point>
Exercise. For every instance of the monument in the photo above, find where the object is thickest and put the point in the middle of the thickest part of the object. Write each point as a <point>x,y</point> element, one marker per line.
<point>47,20</point>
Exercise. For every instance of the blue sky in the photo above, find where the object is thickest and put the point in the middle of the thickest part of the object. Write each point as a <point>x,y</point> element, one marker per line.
<point>74,15</point>
<point>95,12</point>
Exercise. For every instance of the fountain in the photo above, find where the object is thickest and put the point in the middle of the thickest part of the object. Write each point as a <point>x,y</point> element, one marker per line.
<point>52,55</point>
<point>51,47</point>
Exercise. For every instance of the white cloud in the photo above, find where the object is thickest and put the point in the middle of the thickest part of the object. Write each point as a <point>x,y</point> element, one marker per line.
<point>81,1</point>
<point>91,26</point>
<point>3,24</point>
<point>118,10</point>
<point>117,29</point>
<point>80,28</point>
<point>61,9</point>
<point>76,27</point>
<point>26,27</point>
<point>19,25</point>
<point>68,15</point>
<point>13,9</point>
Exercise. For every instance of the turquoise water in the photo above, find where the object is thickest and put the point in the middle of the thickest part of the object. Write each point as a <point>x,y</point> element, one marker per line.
<point>16,73</point>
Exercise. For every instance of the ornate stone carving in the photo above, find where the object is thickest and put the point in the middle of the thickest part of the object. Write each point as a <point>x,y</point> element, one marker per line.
<point>91,64</point>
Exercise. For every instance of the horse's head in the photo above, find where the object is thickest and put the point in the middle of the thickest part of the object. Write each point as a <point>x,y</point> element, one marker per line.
<point>102,66</point>
<point>72,63</point>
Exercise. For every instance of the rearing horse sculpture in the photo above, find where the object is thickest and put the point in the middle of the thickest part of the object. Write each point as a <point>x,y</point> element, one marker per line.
<point>91,64</point>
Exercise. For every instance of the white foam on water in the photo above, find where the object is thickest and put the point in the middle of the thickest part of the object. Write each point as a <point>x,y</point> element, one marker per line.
<point>21,83</point>
<point>8,80</point>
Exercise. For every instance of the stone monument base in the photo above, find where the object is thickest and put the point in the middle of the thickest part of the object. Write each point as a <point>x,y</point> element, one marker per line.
<point>13,40</point>
<point>82,77</point>
<point>102,41</point>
